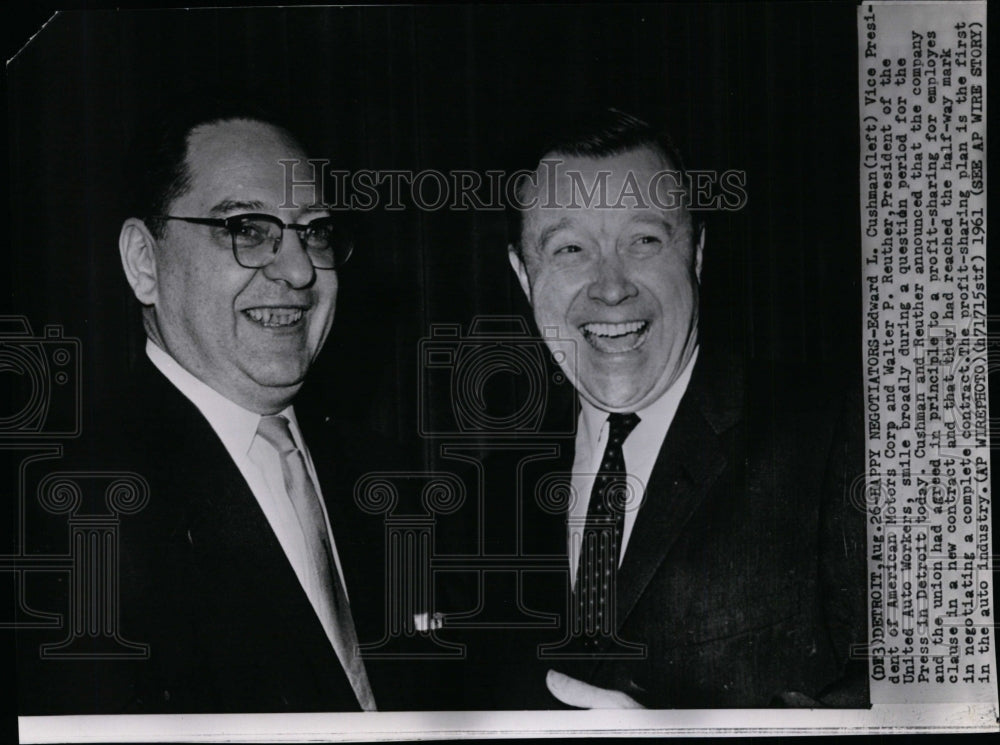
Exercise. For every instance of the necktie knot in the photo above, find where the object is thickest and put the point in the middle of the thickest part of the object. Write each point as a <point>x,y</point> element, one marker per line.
<point>275,429</point>
<point>621,426</point>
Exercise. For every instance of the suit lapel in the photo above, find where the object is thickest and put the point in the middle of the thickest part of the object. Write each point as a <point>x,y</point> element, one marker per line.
<point>326,447</point>
<point>694,453</point>
<point>341,455</point>
<point>224,524</point>
<point>231,543</point>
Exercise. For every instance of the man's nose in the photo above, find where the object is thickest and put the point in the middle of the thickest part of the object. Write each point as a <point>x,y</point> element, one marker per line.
<point>612,286</point>
<point>291,264</point>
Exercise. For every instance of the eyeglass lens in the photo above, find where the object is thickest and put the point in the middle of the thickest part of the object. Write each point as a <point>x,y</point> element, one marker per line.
<point>256,240</point>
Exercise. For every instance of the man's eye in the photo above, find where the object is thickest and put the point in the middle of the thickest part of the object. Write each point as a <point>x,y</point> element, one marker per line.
<point>222,235</point>
<point>249,230</point>
<point>645,245</point>
<point>570,248</point>
<point>319,232</point>
<point>249,233</point>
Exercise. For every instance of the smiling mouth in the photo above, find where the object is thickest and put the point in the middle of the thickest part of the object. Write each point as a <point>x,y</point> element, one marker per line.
<point>615,338</point>
<point>274,317</point>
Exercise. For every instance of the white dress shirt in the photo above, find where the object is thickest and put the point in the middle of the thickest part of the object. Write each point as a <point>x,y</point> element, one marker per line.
<point>640,450</point>
<point>260,465</point>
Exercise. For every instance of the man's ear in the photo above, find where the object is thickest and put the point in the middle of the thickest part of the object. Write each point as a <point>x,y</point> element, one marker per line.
<point>517,264</point>
<point>135,244</point>
<point>699,247</point>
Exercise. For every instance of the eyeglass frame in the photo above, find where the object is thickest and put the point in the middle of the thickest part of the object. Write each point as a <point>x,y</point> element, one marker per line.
<point>224,222</point>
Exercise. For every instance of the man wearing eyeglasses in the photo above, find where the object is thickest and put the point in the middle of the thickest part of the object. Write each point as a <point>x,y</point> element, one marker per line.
<point>248,573</point>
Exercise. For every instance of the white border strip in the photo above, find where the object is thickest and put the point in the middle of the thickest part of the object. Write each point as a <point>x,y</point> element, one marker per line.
<point>377,727</point>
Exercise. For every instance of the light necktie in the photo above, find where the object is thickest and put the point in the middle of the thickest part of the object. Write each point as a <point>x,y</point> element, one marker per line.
<point>602,534</point>
<point>305,500</point>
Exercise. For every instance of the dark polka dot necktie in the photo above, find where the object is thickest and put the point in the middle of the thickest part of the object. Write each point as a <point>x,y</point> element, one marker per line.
<point>602,534</point>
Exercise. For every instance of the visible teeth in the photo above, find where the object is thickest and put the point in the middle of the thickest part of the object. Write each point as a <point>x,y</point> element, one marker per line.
<point>613,329</point>
<point>615,338</point>
<point>274,316</point>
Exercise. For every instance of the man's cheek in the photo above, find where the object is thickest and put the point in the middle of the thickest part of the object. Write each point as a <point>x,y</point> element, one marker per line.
<point>552,291</point>
<point>548,308</point>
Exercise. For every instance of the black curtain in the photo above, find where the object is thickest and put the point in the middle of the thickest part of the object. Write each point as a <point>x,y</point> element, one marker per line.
<point>769,90</point>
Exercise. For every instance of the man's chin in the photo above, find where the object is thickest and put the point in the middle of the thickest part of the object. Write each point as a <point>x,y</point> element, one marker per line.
<point>612,398</point>
<point>279,377</point>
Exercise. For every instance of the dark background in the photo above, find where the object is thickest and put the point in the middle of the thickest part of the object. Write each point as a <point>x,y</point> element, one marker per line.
<point>770,90</point>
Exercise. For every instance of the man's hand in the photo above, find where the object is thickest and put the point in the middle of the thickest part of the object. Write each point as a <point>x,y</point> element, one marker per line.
<point>573,692</point>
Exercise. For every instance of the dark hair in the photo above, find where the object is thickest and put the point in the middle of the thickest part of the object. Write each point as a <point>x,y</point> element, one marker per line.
<point>597,135</point>
<point>156,168</point>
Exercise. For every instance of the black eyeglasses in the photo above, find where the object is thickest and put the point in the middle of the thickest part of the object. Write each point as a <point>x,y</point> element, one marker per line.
<point>256,238</point>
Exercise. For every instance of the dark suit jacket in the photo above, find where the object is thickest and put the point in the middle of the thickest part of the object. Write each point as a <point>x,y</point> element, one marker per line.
<point>203,579</point>
<point>744,576</point>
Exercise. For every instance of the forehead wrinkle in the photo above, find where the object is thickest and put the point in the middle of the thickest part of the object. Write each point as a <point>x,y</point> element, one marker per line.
<point>657,218</point>
<point>225,154</point>
<point>228,205</point>
<point>597,222</point>
<point>314,212</point>
<point>550,230</point>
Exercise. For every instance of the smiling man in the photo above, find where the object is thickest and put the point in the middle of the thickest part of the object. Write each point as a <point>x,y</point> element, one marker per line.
<point>248,321</point>
<point>712,555</point>
<point>620,277</point>
<point>247,574</point>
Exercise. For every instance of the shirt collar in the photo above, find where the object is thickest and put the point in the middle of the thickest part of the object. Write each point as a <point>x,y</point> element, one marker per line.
<point>234,425</point>
<point>592,419</point>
